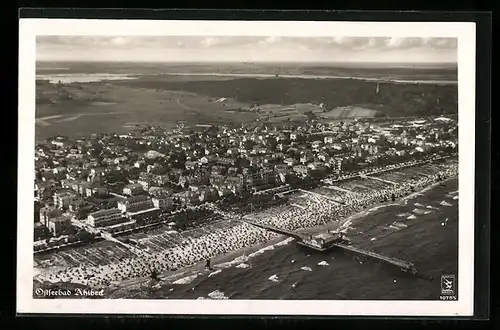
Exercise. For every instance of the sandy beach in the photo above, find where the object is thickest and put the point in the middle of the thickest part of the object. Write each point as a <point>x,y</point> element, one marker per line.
<point>240,256</point>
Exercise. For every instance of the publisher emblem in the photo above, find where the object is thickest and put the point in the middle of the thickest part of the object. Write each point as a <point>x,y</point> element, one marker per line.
<point>448,284</point>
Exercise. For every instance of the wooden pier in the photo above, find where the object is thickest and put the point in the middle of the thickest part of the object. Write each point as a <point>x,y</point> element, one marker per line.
<point>403,265</point>
<point>304,240</point>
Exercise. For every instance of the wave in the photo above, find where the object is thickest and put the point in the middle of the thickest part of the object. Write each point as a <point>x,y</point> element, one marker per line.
<point>403,215</point>
<point>239,262</point>
<point>186,280</point>
<point>261,251</point>
<point>418,205</point>
<point>432,207</point>
<point>323,263</point>
<point>419,211</point>
<point>346,225</point>
<point>242,265</point>
<point>445,203</point>
<point>233,262</point>
<point>411,217</point>
<point>285,242</point>
<point>274,278</point>
<point>306,269</point>
<point>215,273</point>
<point>217,295</point>
<point>455,197</point>
<point>373,239</point>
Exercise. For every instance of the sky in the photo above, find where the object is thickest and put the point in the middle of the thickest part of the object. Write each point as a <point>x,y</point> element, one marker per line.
<point>245,49</point>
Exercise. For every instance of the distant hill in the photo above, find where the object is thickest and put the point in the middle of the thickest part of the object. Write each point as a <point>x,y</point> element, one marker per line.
<point>393,99</point>
<point>352,112</point>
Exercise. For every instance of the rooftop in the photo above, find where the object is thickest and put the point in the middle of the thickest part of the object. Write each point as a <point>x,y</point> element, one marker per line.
<point>136,199</point>
<point>105,212</point>
<point>143,211</point>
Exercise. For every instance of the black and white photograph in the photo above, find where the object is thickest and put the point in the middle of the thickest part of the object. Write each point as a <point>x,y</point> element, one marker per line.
<point>237,168</point>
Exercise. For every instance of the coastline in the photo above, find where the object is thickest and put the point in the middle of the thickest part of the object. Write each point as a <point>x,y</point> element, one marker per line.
<point>89,78</point>
<point>235,257</point>
<point>220,262</point>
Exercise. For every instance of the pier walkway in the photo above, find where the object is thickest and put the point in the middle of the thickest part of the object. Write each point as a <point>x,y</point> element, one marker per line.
<point>404,265</point>
<point>275,229</point>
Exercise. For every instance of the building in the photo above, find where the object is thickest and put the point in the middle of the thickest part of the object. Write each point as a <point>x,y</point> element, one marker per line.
<point>301,169</point>
<point>162,202</point>
<point>226,161</point>
<point>197,179</point>
<point>217,179</point>
<point>160,191</point>
<point>263,177</point>
<point>57,226</point>
<point>282,168</point>
<point>338,164</point>
<point>135,203</point>
<point>84,188</point>
<point>316,144</point>
<point>161,180</point>
<point>47,213</point>
<point>208,194</point>
<point>59,170</point>
<point>80,208</point>
<point>44,190</point>
<point>105,218</point>
<point>316,166</point>
<point>59,144</point>
<point>133,189</point>
<point>234,183</point>
<point>63,199</point>
<point>145,180</point>
<point>91,190</point>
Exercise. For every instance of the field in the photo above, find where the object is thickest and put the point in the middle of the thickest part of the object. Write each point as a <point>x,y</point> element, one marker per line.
<point>154,93</point>
<point>350,111</point>
<point>123,106</point>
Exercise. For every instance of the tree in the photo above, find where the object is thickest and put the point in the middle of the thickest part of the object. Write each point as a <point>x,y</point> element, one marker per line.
<point>85,236</point>
<point>72,239</point>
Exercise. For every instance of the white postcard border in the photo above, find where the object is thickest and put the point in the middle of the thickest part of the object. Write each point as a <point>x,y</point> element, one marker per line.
<point>30,28</point>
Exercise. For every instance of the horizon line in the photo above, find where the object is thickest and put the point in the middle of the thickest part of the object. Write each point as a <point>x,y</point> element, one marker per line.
<point>240,62</point>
